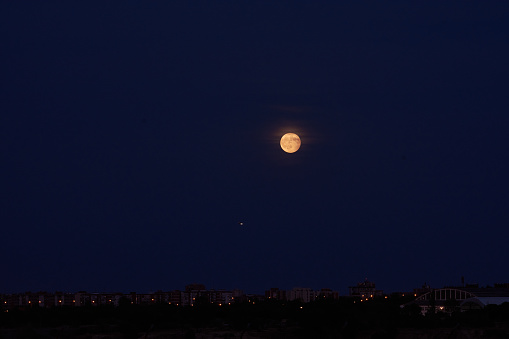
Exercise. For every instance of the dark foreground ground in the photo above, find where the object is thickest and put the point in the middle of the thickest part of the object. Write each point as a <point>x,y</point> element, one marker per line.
<point>325,319</point>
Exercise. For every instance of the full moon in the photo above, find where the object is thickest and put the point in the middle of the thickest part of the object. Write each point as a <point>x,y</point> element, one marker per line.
<point>290,142</point>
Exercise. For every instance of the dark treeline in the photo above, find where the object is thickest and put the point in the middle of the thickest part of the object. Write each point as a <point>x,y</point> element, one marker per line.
<point>323,318</point>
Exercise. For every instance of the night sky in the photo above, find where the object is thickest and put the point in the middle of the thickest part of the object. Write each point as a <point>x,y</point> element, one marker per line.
<point>135,137</point>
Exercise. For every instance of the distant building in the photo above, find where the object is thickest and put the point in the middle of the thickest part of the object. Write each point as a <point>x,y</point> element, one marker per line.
<point>221,297</point>
<point>195,293</point>
<point>327,293</point>
<point>365,289</point>
<point>300,293</point>
<point>303,294</point>
<point>275,293</point>
<point>175,298</point>
<point>238,295</point>
<point>422,290</point>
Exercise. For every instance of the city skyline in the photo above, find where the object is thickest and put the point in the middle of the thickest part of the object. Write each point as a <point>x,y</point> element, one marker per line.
<point>297,313</point>
<point>341,290</point>
<point>429,300</point>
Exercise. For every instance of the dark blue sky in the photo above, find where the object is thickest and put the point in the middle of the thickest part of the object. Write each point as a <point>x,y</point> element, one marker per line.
<point>134,137</point>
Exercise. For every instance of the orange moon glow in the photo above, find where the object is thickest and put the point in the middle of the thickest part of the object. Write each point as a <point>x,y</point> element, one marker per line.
<point>290,143</point>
